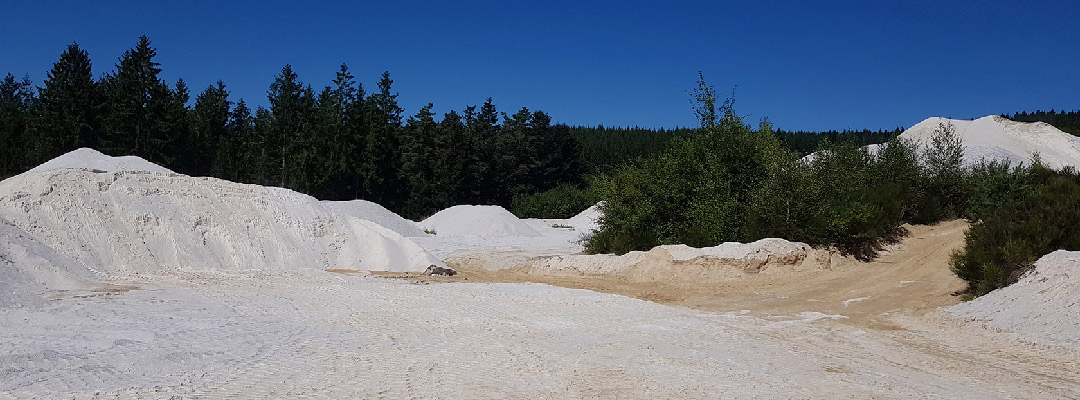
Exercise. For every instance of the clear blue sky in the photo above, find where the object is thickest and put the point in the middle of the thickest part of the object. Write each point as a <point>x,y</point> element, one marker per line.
<point>809,65</point>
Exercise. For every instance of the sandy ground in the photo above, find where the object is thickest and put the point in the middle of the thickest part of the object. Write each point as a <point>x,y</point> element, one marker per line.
<point>911,277</point>
<point>343,334</point>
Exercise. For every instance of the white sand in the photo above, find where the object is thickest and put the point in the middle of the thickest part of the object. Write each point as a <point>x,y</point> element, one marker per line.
<point>477,221</point>
<point>148,223</point>
<point>995,138</point>
<point>85,158</point>
<point>29,268</point>
<point>340,336</point>
<point>1044,303</point>
<point>376,213</point>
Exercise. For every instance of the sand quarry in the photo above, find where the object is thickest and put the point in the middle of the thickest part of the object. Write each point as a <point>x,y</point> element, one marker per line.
<point>121,279</point>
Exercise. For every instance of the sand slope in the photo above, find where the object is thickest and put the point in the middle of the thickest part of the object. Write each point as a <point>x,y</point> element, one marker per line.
<point>85,158</point>
<point>995,138</point>
<point>28,268</point>
<point>147,223</point>
<point>1044,303</point>
<point>478,221</point>
<point>376,213</point>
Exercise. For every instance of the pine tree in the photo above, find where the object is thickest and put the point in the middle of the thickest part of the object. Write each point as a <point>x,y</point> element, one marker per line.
<point>417,162</point>
<point>136,108</point>
<point>235,161</point>
<point>291,104</point>
<point>381,158</point>
<point>211,133</point>
<point>16,99</point>
<point>67,114</point>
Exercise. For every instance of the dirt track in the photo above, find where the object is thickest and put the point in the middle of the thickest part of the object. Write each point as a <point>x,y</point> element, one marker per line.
<point>910,278</point>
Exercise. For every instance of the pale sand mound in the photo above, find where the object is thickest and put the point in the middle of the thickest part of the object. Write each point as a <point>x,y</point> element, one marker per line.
<point>664,263</point>
<point>996,138</point>
<point>993,138</point>
<point>376,213</point>
<point>1044,303</point>
<point>28,268</point>
<point>588,220</point>
<point>145,223</point>
<point>85,158</point>
<point>482,221</point>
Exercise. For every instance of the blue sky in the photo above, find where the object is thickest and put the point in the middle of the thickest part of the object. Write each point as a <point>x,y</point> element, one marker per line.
<point>810,65</point>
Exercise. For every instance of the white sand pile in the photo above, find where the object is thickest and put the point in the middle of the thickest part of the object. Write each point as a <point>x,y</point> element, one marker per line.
<point>478,221</point>
<point>85,158</point>
<point>28,268</point>
<point>996,138</point>
<point>1044,303</point>
<point>376,213</point>
<point>587,221</point>
<point>584,223</point>
<point>147,223</point>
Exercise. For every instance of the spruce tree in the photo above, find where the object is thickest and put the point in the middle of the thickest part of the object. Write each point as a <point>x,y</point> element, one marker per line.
<point>381,157</point>
<point>291,105</point>
<point>210,133</point>
<point>237,162</point>
<point>418,159</point>
<point>135,119</point>
<point>67,114</point>
<point>16,99</point>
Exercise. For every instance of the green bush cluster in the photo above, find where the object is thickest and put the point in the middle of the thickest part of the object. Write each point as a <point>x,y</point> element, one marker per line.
<point>732,183</point>
<point>563,201</point>
<point>1022,214</point>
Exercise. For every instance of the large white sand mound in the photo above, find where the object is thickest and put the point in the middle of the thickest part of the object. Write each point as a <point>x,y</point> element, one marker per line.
<point>85,158</point>
<point>481,221</point>
<point>1044,303</point>
<point>147,223</point>
<point>28,268</point>
<point>376,213</point>
<point>996,138</point>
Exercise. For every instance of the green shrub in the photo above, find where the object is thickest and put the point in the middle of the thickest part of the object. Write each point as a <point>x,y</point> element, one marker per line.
<point>696,192</point>
<point>563,201</point>
<point>1009,237</point>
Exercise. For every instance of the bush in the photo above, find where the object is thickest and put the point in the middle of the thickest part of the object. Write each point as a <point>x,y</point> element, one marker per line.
<point>1010,237</point>
<point>696,192</point>
<point>563,201</point>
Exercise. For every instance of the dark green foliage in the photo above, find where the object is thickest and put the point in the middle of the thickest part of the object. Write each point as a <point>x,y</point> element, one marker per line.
<point>805,142</point>
<point>381,163</point>
<point>730,183</point>
<point>16,100</point>
<point>67,115</point>
<point>563,201</point>
<point>139,107</point>
<point>943,191</point>
<point>697,192</point>
<point>605,150</point>
<point>1035,218</point>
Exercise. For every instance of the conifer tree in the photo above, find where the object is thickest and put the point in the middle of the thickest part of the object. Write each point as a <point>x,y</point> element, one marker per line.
<point>136,104</point>
<point>381,158</point>
<point>417,161</point>
<point>67,113</point>
<point>210,133</point>
<point>290,105</point>
<point>16,99</point>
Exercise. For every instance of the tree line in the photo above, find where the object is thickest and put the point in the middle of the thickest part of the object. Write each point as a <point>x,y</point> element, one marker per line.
<point>337,143</point>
